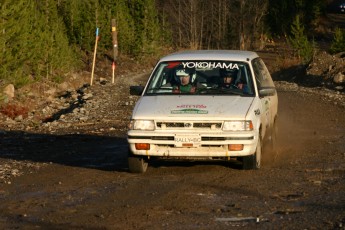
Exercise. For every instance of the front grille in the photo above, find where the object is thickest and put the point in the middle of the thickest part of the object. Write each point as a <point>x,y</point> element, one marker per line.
<point>217,125</point>
<point>226,138</point>
<point>213,139</point>
<point>170,124</point>
<point>189,125</point>
<point>156,138</point>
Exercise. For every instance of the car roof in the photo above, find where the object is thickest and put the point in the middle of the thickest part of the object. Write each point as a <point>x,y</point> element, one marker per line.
<point>233,55</point>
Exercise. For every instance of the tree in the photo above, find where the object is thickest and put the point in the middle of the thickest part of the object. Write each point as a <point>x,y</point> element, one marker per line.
<point>33,41</point>
<point>299,41</point>
<point>80,21</point>
<point>147,29</point>
<point>281,14</point>
<point>187,18</point>
<point>126,27</point>
<point>338,43</point>
<point>221,24</point>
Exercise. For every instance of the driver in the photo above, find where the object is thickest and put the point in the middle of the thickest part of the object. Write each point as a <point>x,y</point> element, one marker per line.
<point>185,85</point>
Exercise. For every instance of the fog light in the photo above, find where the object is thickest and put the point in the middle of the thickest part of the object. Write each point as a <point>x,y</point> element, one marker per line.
<point>142,146</point>
<point>235,147</point>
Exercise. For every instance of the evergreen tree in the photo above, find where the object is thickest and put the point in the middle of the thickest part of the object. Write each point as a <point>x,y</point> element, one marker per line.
<point>338,43</point>
<point>308,11</point>
<point>33,41</point>
<point>299,41</point>
<point>147,32</point>
<point>80,20</point>
<point>125,27</point>
<point>19,23</point>
<point>52,33</point>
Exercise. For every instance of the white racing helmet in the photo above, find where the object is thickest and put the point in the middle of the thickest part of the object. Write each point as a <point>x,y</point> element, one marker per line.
<point>181,73</point>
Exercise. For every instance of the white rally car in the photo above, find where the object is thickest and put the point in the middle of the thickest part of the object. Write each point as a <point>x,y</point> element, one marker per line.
<point>203,104</point>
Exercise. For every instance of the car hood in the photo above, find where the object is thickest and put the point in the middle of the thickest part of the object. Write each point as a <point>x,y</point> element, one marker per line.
<point>193,107</point>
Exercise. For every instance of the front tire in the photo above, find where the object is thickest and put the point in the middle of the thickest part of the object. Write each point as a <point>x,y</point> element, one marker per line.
<point>137,164</point>
<point>253,161</point>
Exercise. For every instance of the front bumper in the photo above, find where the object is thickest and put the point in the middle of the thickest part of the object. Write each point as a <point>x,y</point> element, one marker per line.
<point>163,144</point>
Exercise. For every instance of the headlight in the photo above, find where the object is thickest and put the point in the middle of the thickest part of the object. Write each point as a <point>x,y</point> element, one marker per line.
<point>238,126</point>
<point>142,125</point>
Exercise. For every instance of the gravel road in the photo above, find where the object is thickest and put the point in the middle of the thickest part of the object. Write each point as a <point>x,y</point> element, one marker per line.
<point>70,172</point>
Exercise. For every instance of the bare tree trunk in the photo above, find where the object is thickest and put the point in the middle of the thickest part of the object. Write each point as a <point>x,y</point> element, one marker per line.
<point>209,25</point>
<point>201,32</point>
<point>220,24</point>
<point>216,24</point>
<point>179,23</point>
<point>192,26</point>
<point>241,32</point>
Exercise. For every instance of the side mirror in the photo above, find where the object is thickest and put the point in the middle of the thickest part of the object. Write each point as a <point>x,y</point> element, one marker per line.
<point>136,90</point>
<point>264,92</point>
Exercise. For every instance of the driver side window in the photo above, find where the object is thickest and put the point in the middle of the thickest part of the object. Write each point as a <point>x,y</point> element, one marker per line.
<point>262,75</point>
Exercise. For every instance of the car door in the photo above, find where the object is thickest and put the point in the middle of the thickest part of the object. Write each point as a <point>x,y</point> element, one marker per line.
<point>269,103</point>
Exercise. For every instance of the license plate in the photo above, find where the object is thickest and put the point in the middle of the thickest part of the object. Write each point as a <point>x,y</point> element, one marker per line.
<point>187,140</point>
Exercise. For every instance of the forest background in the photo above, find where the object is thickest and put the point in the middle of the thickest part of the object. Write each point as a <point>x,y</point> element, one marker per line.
<point>47,39</point>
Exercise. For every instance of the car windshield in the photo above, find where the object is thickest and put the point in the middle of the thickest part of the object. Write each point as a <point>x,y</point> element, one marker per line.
<point>201,78</point>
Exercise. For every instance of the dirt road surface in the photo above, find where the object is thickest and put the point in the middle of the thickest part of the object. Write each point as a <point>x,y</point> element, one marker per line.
<point>73,174</point>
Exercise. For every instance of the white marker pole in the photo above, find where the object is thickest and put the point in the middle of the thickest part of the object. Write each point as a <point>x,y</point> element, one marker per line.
<point>94,56</point>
